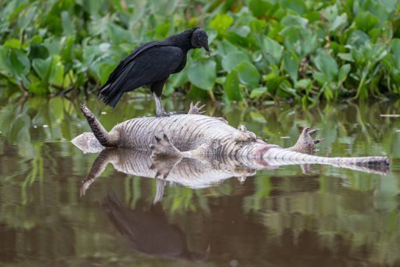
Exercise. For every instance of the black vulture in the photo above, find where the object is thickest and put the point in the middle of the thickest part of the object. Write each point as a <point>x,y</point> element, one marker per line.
<point>149,232</point>
<point>150,65</point>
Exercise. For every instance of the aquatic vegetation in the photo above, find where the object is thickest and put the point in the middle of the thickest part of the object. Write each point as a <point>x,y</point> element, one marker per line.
<point>262,49</point>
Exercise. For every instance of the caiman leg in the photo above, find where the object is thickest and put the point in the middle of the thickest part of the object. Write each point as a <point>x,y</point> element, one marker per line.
<point>163,148</point>
<point>246,136</point>
<point>306,144</point>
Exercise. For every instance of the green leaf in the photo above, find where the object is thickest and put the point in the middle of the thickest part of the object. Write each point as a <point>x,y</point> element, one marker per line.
<point>117,33</point>
<point>12,43</point>
<point>380,9</point>
<point>395,49</point>
<point>248,74</point>
<point>365,21</point>
<point>221,23</point>
<point>358,38</point>
<point>292,20</point>
<point>331,12</point>
<point>258,7</point>
<point>231,60</point>
<point>232,88</point>
<point>345,57</point>
<point>343,72</point>
<point>243,31</point>
<point>340,22</point>
<point>300,40</point>
<point>57,72</point>
<point>258,26</point>
<point>42,68</point>
<point>273,81</point>
<point>320,77</point>
<point>20,63</point>
<point>67,24</point>
<point>37,39</point>
<point>66,53</point>
<point>104,71</point>
<point>257,92</point>
<point>180,78</point>
<point>92,6</point>
<point>291,64</point>
<point>5,63</point>
<point>202,74</point>
<point>225,47</point>
<point>295,5</point>
<point>163,7</point>
<point>327,64</point>
<point>272,50</point>
<point>53,44</point>
<point>26,16</point>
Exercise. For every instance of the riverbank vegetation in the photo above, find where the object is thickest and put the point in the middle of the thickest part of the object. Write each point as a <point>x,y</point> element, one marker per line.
<point>301,51</point>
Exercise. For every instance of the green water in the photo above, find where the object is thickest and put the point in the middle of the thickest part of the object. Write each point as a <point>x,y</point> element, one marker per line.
<point>279,217</point>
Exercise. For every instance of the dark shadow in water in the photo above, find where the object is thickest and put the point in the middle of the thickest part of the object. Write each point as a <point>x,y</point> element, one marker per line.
<point>150,232</point>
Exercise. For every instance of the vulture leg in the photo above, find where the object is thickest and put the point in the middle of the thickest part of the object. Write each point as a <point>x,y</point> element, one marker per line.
<point>156,89</point>
<point>160,112</point>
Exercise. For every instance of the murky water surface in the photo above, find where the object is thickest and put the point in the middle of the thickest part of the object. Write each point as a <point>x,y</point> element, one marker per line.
<point>324,217</point>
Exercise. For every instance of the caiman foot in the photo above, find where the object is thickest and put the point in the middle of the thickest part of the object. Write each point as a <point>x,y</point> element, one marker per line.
<point>244,135</point>
<point>87,113</point>
<point>162,147</point>
<point>305,143</point>
<point>196,108</point>
<point>165,156</point>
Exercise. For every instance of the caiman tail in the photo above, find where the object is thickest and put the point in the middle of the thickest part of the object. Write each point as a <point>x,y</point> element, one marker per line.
<point>288,157</point>
<point>104,138</point>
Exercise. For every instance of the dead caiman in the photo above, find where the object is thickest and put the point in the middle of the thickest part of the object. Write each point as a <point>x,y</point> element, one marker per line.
<point>198,136</point>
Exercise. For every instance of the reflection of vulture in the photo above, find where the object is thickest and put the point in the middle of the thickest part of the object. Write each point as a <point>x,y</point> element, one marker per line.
<point>149,232</point>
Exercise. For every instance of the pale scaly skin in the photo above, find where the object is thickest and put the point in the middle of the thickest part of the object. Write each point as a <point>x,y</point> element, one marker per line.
<point>198,136</point>
<point>186,132</point>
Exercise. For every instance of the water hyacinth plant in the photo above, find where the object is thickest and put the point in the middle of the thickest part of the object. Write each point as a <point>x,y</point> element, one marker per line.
<point>302,51</point>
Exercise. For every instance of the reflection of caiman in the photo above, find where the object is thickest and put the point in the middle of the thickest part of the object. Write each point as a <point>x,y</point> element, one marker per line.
<point>206,138</point>
<point>188,172</point>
